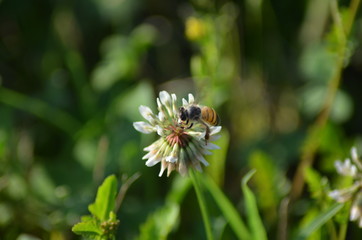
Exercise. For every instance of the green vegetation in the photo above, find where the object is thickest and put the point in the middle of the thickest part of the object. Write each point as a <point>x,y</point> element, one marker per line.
<point>284,77</point>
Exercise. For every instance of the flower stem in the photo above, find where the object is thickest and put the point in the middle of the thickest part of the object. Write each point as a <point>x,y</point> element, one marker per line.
<point>202,203</point>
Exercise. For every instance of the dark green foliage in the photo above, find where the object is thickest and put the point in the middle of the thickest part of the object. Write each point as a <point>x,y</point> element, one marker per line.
<point>284,77</point>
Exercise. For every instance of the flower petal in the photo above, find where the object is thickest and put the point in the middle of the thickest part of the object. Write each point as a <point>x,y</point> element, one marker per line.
<point>163,167</point>
<point>165,98</point>
<point>195,134</point>
<point>159,130</point>
<point>144,127</point>
<point>148,155</point>
<point>154,145</point>
<point>342,195</point>
<point>159,105</point>
<point>161,116</point>
<point>170,168</point>
<point>211,146</point>
<point>184,102</point>
<point>171,159</point>
<point>354,153</point>
<point>214,130</point>
<point>214,138</point>
<point>202,160</point>
<point>191,98</point>
<point>355,213</point>
<point>182,169</point>
<point>152,161</point>
<point>174,97</point>
<point>147,113</point>
<point>174,108</point>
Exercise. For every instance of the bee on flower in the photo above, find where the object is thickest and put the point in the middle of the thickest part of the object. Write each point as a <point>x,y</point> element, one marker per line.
<point>185,137</point>
<point>353,193</point>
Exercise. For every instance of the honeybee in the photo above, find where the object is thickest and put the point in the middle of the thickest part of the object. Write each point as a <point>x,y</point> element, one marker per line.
<point>207,116</point>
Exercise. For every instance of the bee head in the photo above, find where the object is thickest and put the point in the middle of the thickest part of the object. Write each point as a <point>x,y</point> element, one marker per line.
<point>183,115</point>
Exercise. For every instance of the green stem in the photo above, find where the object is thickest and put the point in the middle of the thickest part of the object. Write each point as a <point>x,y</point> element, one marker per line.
<point>343,231</point>
<point>202,203</point>
<point>344,224</point>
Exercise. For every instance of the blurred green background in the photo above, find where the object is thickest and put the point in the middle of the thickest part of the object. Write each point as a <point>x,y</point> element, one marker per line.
<point>73,73</point>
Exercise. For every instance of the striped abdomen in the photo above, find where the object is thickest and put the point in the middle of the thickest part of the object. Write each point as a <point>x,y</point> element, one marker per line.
<point>210,116</point>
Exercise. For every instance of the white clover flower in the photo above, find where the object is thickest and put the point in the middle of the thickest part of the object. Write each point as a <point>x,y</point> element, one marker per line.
<point>356,210</point>
<point>344,195</point>
<point>346,168</point>
<point>354,192</point>
<point>178,148</point>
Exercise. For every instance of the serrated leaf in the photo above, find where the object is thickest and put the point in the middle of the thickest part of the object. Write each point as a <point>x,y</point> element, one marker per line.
<point>88,227</point>
<point>105,200</point>
<point>255,222</point>
<point>319,221</point>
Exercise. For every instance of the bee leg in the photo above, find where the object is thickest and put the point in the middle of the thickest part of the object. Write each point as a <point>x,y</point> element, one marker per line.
<point>207,132</point>
<point>190,126</point>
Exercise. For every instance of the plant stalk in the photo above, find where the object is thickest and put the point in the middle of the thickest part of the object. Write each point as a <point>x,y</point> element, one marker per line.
<point>202,203</point>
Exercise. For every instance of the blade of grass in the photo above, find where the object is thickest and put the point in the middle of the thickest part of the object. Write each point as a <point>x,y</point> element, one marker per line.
<point>41,109</point>
<point>200,197</point>
<point>255,222</point>
<point>319,221</point>
<point>227,208</point>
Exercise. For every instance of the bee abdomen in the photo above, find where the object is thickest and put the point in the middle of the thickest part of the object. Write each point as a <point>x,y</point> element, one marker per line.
<point>210,116</point>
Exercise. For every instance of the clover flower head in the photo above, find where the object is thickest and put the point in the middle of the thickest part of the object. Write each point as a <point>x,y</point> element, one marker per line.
<point>178,148</point>
<point>346,168</point>
<point>353,193</point>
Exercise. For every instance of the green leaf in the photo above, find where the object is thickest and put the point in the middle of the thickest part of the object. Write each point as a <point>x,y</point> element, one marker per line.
<point>105,200</point>
<point>227,208</point>
<point>319,221</point>
<point>160,223</point>
<point>255,222</point>
<point>88,228</point>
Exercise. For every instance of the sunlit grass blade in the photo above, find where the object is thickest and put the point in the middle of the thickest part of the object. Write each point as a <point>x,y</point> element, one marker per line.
<point>228,210</point>
<point>202,203</point>
<point>255,223</point>
<point>41,109</point>
<point>319,221</point>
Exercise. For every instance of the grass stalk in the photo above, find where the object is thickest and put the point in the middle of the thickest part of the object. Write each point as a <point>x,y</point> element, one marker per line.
<point>202,203</point>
